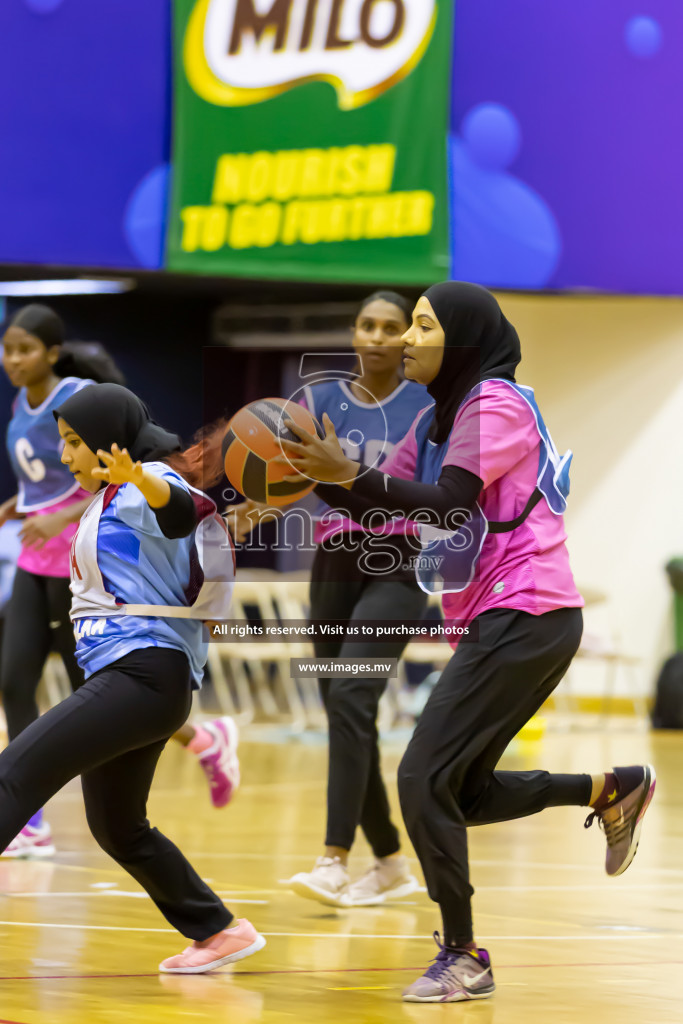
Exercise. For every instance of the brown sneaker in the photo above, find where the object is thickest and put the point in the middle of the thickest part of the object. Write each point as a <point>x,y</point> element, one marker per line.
<point>622,821</point>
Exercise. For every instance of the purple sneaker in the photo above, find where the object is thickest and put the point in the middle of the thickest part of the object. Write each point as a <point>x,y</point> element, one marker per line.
<point>453,976</point>
<point>219,761</point>
<point>622,820</point>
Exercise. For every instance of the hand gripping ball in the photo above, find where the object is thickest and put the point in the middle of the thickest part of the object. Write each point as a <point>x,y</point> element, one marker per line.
<point>252,443</point>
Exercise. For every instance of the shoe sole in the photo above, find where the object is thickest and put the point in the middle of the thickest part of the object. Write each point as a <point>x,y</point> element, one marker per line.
<point>33,853</point>
<point>309,892</point>
<point>460,997</point>
<point>407,889</point>
<point>241,954</point>
<point>652,778</point>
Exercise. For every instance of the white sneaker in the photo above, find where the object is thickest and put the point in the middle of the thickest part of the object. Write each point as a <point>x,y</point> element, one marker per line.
<point>388,879</point>
<point>32,843</point>
<point>327,882</point>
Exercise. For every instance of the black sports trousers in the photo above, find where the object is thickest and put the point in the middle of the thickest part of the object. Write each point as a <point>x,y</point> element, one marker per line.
<point>36,622</point>
<point>356,794</point>
<point>111,732</point>
<point>447,779</point>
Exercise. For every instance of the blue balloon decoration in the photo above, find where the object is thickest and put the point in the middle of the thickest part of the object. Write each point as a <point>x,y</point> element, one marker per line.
<point>43,6</point>
<point>144,218</point>
<point>643,37</point>
<point>504,233</point>
<point>492,135</point>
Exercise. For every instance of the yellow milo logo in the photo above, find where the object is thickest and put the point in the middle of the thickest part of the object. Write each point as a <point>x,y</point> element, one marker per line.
<point>239,52</point>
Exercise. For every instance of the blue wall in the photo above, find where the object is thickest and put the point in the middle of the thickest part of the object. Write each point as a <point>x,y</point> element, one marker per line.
<point>84,130</point>
<point>566,154</point>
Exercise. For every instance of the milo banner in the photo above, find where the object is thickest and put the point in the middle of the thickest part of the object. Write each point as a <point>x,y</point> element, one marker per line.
<point>310,139</point>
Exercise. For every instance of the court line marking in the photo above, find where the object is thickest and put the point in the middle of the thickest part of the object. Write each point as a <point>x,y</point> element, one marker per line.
<point>577,937</point>
<point>190,791</point>
<point>236,893</point>
<point>360,988</point>
<point>649,886</point>
<point>555,866</point>
<point>334,970</point>
<point>233,897</point>
<point>72,867</point>
<point>247,856</point>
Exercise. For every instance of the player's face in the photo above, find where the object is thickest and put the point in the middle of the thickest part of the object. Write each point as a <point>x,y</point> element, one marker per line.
<point>377,336</point>
<point>78,458</point>
<point>25,358</point>
<point>424,343</point>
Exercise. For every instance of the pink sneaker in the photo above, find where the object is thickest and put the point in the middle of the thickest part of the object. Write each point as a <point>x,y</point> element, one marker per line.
<point>220,762</point>
<point>227,947</point>
<point>32,843</point>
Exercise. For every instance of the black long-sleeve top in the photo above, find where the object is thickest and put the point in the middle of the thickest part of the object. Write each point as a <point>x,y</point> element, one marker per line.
<point>433,504</point>
<point>178,517</point>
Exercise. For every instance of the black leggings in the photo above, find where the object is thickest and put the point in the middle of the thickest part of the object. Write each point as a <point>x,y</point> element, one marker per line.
<point>446,780</point>
<point>355,789</point>
<point>111,731</point>
<point>36,621</point>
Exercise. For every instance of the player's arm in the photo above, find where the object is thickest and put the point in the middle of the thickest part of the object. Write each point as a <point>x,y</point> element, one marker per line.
<point>8,510</point>
<point>172,505</point>
<point>72,513</point>
<point>37,530</point>
<point>322,459</point>
<point>456,490</point>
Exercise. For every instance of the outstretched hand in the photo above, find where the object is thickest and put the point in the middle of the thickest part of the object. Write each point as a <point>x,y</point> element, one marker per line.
<point>118,467</point>
<point>319,459</point>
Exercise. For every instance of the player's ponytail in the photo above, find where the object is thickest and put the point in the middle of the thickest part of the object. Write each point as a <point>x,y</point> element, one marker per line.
<point>88,360</point>
<point>202,463</point>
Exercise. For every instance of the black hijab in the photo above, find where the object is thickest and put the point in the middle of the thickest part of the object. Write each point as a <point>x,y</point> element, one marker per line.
<point>107,414</point>
<point>479,344</point>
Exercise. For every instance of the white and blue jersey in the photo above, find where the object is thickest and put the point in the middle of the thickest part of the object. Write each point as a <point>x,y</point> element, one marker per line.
<point>367,431</point>
<point>134,587</point>
<point>35,449</point>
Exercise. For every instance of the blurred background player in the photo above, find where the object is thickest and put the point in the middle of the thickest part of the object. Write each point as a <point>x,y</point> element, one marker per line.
<point>371,413</point>
<point>51,503</point>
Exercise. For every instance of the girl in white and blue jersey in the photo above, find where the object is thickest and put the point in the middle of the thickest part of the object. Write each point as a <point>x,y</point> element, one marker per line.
<point>47,370</point>
<point>150,561</point>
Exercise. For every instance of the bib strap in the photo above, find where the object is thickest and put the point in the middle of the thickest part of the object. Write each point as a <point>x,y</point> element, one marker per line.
<point>512,524</point>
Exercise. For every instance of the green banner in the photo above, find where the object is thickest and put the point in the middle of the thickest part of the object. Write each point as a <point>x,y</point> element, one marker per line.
<point>310,139</point>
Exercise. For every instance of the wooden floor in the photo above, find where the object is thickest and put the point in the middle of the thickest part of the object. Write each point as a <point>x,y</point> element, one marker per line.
<point>81,943</point>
